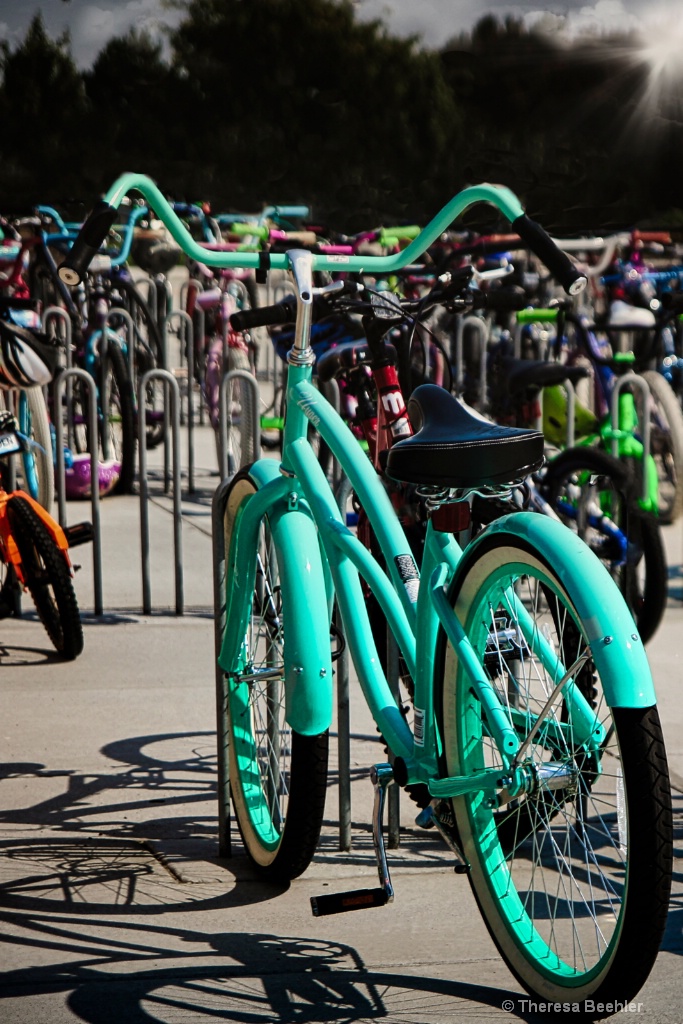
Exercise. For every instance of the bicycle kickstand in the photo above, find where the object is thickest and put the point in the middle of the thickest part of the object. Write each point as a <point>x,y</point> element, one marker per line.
<point>382,776</point>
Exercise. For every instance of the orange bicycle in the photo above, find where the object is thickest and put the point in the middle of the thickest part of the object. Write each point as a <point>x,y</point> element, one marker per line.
<point>34,556</point>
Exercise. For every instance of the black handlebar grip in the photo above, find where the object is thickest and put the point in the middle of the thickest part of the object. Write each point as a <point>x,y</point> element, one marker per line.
<point>283,312</point>
<point>93,232</point>
<point>557,262</point>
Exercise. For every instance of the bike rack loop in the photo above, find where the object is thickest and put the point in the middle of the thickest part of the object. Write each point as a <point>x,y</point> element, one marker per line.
<point>219,583</point>
<point>58,313</point>
<point>174,392</point>
<point>342,494</point>
<point>253,429</point>
<point>186,321</point>
<point>641,385</point>
<point>130,336</point>
<point>59,386</point>
<point>482,329</point>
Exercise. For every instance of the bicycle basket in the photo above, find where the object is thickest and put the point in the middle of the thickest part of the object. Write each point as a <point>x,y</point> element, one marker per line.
<point>26,357</point>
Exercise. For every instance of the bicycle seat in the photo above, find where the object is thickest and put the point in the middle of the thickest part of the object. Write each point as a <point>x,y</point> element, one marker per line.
<point>525,373</point>
<point>456,448</point>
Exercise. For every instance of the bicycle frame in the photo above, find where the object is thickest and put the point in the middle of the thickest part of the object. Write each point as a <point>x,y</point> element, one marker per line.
<point>414,611</point>
<point>298,488</point>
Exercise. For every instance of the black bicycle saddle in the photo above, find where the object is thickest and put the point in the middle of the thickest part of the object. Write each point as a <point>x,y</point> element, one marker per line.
<point>455,448</point>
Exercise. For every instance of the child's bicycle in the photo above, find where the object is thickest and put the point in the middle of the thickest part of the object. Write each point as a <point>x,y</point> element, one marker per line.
<point>535,721</point>
<point>34,555</point>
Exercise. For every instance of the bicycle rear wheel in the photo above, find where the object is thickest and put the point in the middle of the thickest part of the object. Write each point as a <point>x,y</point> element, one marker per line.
<point>47,578</point>
<point>278,777</point>
<point>573,876</point>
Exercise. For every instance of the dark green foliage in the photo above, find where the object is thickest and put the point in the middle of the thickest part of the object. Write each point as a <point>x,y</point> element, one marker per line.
<point>295,101</point>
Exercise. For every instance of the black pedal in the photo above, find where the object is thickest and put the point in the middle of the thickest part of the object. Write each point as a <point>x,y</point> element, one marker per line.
<point>343,902</point>
<point>79,533</point>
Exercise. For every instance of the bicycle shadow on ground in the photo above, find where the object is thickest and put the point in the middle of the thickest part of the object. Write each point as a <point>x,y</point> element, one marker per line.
<point>150,790</point>
<point>113,974</point>
<point>15,656</point>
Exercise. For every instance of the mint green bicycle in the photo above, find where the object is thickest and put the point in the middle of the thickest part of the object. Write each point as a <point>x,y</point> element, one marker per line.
<point>534,729</point>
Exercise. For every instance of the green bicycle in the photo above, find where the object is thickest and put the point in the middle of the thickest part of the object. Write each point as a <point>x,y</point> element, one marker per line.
<point>535,726</point>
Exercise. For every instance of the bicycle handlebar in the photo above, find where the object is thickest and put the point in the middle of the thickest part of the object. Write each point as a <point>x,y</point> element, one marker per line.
<point>98,223</point>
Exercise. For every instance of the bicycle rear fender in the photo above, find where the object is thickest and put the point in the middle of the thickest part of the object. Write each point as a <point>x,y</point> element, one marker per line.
<point>617,649</point>
<point>308,664</point>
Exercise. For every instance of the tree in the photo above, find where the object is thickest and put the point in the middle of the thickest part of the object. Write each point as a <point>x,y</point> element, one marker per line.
<point>294,99</point>
<point>42,108</point>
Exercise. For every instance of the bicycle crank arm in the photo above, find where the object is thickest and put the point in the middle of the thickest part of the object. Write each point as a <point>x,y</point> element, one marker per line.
<point>382,776</point>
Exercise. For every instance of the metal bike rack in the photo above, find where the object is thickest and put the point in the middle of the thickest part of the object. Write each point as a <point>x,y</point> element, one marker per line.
<point>343,708</point>
<point>634,380</point>
<point>482,329</point>
<point>174,393</point>
<point>187,336</point>
<point>342,675</point>
<point>59,314</point>
<point>59,386</point>
<point>250,432</point>
<point>219,585</point>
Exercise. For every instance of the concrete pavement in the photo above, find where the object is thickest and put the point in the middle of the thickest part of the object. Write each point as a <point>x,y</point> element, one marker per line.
<point>114,906</point>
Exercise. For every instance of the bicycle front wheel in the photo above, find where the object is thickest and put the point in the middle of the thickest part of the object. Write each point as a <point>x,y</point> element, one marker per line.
<point>47,577</point>
<point>37,465</point>
<point>278,777</point>
<point>572,873</point>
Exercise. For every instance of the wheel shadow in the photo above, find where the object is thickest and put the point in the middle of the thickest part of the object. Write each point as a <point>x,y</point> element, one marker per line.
<point>145,974</point>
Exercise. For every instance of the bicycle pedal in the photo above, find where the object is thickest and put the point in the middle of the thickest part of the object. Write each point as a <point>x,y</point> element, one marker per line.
<point>343,902</point>
<point>79,533</point>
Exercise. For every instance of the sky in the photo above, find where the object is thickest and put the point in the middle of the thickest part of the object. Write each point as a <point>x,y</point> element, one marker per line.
<point>92,22</point>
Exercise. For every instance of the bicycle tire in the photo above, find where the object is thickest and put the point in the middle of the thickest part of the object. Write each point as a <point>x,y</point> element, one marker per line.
<point>574,926</point>
<point>666,444</point>
<point>37,464</point>
<point>586,474</point>
<point>48,578</point>
<point>278,777</point>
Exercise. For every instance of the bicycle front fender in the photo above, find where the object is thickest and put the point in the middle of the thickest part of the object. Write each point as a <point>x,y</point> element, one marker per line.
<point>616,647</point>
<point>308,664</point>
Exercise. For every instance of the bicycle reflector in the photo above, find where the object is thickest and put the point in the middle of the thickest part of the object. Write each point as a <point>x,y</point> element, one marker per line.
<point>26,358</point>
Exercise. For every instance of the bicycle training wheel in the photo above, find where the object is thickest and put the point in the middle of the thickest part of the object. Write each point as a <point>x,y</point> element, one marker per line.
<point>47,578</point>
<point>595,495</point>
<point>278,777</point>
<point>572,876</point>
